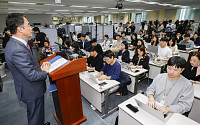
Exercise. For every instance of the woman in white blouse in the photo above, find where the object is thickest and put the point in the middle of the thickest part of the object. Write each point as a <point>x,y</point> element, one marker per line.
<point>106,42</point>
<point>75,36</point>
<point>171,44</point>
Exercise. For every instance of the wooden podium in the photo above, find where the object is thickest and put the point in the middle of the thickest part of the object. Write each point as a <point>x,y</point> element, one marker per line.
<point>67,98</point>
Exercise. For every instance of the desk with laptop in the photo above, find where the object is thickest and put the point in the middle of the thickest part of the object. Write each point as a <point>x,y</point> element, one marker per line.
<point>147,115</point>
<point>183,52</point>
<point>134,74</point>
<point>94,91</point>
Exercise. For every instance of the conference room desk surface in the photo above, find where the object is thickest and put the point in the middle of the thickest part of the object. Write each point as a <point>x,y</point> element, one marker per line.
<point>134,77</point>
<point>195,111</point>
<point>128,117</point>
<point>184,53</point>
<point>155,68</point>
<point>94,93</point>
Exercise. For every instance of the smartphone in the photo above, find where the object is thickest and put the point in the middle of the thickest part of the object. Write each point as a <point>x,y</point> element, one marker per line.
<point>137,70</point>
<point>90,70</point>
<point>103,83</point>
<point>133,108</point>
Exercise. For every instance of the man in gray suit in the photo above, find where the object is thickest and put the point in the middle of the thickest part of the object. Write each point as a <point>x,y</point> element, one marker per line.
<point>29,77</point>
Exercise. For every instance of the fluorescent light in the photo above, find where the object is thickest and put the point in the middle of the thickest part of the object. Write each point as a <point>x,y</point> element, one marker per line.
<point>51,13</point>
<point>61,10</point>
<point>65,13</point>
<point>127,9</point>
<point>78,11</point>
<point>139,9</point>
<point>92,11</point>
<point>22,3</point>
<point>148,10</point>
<point>15,12</point>
<point>42,10</point>
<point>134,1</point>
<point>35,12</point>
<point>78,6</point>
<point>98,7</point>
<point>112,8</point>
<point>175,5</point>
<point>17,9</point>
<point>124,12</point>
<point>164,4</point>
<point>60,5</point>
<point>104,12</point>
<point>114,12</point>
<point>146,2</point>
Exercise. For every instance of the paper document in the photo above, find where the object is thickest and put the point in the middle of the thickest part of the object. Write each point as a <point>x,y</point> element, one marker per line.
<point>56,62</point>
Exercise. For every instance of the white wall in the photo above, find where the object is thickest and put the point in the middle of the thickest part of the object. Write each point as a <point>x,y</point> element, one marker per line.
<point>31,18</point>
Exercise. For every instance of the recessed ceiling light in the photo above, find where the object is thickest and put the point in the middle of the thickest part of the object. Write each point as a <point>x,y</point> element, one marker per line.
<point>55,5</point>
<point>51,13</point>
<point>148,10</point>
<point>22,3</point>
<point>98,7</point>
<point>61,10</point>
<point>112,8</point>
<point>78,6</point>
<point>17,9</point>
<point>92,11</point>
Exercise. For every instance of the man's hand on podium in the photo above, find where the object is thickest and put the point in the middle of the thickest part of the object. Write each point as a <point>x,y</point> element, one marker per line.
<point>45,66</point>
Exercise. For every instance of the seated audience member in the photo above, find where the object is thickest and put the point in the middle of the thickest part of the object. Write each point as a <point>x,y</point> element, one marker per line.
<point>123,54</point>
<point>98,46</point>
<point>95,61</point>
<point>87,36</point>
<point>155,41</point>
<point>196,39</point>
<point>134,39</point>
<point>140,43</point>
<point>47,50</point>
<point>147,38</point>
<point>178,37</point>
<point>191,67</point>
<point>112,68</point>
<point>106,42</point>
<point>162,34</point>
<point>76,50</point>
<point>85,44</point>
<point>75,36</point>
<point>189,43</point>
<point>116,44</point>
<point>140,59</point>
<point>171,89</point>
<point>153,33</point>
<point>168,36</point>
<point>141,35</point>
<point>60,41</point>
<point>123,37</point>
<point>189,31</point>
<point>171,44</point>
<point>161,26</point>
<point>164,52</point>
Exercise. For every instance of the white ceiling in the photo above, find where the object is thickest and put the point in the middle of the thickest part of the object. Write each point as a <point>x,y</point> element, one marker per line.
<point>64,9</point>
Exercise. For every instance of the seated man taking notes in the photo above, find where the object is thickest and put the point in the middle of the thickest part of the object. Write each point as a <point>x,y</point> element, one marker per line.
<point>171,89</point>
<point>112,68</point>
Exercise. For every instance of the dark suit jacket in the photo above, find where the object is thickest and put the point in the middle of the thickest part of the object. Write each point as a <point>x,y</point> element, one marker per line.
<point>86,45</point>
<point>28,78</point>
<point>125,56</point>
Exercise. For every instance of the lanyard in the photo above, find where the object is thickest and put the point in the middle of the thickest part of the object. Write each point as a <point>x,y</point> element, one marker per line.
<point>165,94</point>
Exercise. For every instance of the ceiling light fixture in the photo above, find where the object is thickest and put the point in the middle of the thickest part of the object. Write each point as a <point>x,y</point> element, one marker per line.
<point>98,7</point>
<point>78,6</point>
<point>61,10</point>
<point>22,3</point>
<point>60,5</point>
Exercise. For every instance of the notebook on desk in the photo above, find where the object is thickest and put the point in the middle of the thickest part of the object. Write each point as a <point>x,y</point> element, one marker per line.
<point>154,112</point>
<point>181,47</point>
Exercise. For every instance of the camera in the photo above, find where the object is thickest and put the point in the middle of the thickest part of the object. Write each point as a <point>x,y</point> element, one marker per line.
<point>119,5</point>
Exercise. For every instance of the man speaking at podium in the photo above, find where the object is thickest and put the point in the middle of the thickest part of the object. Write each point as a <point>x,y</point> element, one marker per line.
<point>29,77</point>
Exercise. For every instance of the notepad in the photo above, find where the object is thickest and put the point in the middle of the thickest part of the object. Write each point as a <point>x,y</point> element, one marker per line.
<point>56,62</point>
<point>52,87</point>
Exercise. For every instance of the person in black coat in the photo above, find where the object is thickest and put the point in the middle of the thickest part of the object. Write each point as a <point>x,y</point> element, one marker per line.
<point>191,68</point>
<point>134,39</point>
<point>124,53</point>
<point>140,59</point>
<point>95,61</point>
<point>97,46</point>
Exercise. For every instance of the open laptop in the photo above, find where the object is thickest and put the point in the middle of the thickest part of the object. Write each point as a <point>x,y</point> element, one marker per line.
<point>181,47</point>
<point>152,49</point>
<point>154,112</point>
<point>92,77</point>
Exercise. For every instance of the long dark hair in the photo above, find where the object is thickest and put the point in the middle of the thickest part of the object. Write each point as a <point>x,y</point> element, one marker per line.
<point>173,40</point>
<point>157,40</point>
<point>142,48</point>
